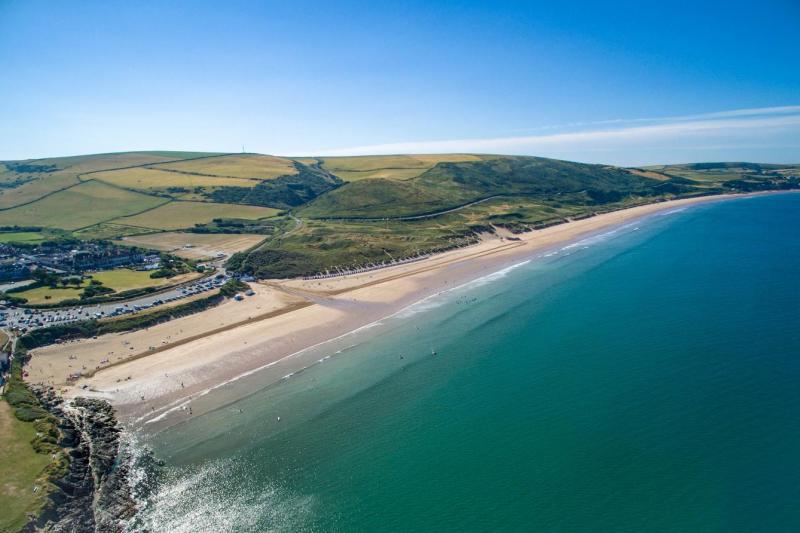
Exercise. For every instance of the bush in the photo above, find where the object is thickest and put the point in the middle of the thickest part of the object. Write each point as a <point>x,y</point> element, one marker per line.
<point>231,287</point>
<point>94,289</point>
<point>16,300</point>
<point>29,413</point>
<point>265,263</point>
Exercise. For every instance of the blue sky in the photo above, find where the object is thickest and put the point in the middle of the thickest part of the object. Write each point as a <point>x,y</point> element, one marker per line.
<point>614,82</point>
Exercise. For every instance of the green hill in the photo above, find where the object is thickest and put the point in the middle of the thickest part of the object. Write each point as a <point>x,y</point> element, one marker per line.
<point>450,185</point>
<point>317,214</point>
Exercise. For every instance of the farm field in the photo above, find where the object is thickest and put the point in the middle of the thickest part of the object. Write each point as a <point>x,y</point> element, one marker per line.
<point>179,215</point>
<point>20,466</point>
<point>150,178</point>
<point>83,205</point>
<point>236,166</point>
<point>39,177</point>
<point>195,245</point>
<point>715,173</point>
<point>649,173</point>
<point>109,231</point>
<point>399,167</point>
<point>712,177</point>
<point>21,236</point>
<point>35,189</point>
<point>96,162</point>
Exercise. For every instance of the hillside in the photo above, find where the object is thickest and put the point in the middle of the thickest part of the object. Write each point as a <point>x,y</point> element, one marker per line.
<point>452,184</point>
<point>318,214</point>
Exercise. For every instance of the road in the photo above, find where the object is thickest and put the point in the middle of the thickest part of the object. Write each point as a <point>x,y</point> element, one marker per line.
<point>415,217</point>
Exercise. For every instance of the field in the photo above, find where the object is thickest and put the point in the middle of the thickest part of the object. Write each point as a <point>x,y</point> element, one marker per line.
<point>119,279</point>
<point>20,466</point>
<point>83,205</point>
<point>109,231</point>
<point>704,176</point>
<point>91,163</point>
<point>716,173</point>
<point>178,215</point>
<point>149,178</point>
<point>35,189</point>
<point>48,295</point>
<point>21,236</point>
<point>195,245</point>
<point>236,166</point>
<point>39,177</point>
<point>86,193</point>
<point>398,167</point>
<point>649,173</point>
<point>123,279</point>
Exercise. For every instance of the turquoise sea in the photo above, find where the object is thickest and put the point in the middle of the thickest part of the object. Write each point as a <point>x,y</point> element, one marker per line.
<point>645,379</point>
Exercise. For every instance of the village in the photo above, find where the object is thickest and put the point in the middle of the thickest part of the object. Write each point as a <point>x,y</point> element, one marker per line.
<point>62,282</point>
<point>18,261</point>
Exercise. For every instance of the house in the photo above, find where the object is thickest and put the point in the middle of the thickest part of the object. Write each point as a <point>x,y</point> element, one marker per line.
<point>14,270</point>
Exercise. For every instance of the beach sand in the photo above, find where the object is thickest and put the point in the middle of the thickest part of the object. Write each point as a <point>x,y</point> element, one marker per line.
<point>198,352</point>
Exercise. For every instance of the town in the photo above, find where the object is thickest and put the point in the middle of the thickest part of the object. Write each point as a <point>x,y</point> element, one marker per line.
<point>64,281</point>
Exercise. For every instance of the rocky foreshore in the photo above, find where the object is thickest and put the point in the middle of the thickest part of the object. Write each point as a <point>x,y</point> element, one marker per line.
<point>95,494</point>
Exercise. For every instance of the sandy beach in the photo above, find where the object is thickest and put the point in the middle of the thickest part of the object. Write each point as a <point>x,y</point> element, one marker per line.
<point>147,373</point>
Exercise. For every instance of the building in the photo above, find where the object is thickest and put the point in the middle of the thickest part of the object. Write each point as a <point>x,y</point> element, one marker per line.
<point>14,269</point>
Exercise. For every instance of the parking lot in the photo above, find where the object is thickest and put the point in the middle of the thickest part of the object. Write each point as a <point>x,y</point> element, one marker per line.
<point>26,319</point>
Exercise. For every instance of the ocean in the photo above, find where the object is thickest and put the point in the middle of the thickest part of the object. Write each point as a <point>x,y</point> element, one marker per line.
<point>646,378</point>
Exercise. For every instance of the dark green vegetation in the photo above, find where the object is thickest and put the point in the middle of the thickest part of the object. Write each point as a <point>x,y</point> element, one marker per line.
<point>233,226</point>
<point>338,213</point>
<point>30,450</point>
<point>285,191</point>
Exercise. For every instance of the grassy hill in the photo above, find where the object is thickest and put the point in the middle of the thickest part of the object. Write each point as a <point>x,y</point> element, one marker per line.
<point>316,214</point>
<point>452,184</point>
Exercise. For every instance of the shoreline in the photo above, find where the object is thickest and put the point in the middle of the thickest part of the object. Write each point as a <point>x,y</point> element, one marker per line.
<point>153,389</point>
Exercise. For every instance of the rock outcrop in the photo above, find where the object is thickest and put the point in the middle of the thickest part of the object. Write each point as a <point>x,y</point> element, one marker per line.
<point>95,494</point>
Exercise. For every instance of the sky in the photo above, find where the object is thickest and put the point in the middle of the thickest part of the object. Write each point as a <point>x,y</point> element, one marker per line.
<point>623,82</point>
